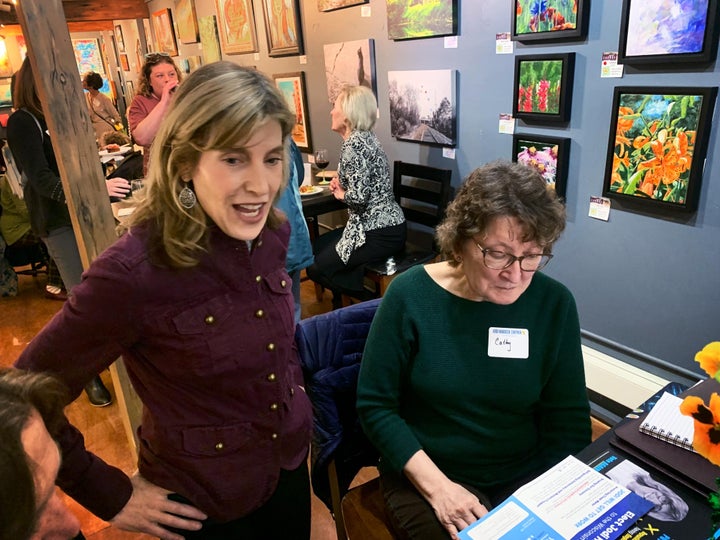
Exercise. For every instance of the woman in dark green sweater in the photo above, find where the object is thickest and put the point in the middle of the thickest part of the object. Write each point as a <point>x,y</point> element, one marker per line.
<point>472,379</point>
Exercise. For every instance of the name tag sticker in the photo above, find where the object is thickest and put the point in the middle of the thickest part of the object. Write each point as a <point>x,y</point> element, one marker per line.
<point>508,342</point>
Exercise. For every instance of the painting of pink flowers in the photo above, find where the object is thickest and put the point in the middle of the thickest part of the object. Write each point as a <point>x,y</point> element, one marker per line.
<point>543,86</point>
<point>549,155</point>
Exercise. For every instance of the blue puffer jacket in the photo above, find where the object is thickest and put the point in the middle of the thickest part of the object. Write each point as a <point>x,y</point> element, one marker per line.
<point>331,347</point>
<point>299,253</point>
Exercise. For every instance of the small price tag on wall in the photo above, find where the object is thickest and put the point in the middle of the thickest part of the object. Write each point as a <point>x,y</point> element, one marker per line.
<point>503,43</point>
<point>610,67</point>
<point>599,208</point>
<point>507,124</point>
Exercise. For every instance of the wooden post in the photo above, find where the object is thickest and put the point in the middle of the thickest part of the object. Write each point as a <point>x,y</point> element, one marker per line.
<point>73,138</point>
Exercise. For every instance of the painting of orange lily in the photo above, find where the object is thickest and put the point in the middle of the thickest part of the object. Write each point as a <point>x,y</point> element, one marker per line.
<point>658,140</point>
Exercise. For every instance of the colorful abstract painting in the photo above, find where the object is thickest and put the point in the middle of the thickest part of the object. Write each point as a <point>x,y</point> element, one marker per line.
<point>187,24</point>
<point>658,27</point>
<point>409,19</point>
<point>209,39</point>
<point>349,63</point>
<point>87,56</point>
<point>236,23</point>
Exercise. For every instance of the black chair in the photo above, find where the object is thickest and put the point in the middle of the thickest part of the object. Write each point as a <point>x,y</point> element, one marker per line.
<point>423,193</point>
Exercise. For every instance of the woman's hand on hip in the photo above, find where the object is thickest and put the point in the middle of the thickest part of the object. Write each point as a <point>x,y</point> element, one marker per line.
<point>149,511</point>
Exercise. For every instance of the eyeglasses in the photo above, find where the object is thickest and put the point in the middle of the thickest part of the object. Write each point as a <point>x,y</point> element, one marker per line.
<point>156,55</point>
<point>499,260</point>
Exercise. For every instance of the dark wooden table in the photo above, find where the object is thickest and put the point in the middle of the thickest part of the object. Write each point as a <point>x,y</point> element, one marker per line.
<point>316,205</point>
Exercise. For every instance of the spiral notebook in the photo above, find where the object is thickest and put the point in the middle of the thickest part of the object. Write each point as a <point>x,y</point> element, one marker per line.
<point>665,422</point>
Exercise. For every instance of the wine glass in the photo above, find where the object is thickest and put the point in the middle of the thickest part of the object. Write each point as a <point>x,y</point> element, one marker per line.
<point>322,161</point>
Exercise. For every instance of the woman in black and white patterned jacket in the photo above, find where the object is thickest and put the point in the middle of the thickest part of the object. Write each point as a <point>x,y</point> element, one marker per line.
<point>376,225</point>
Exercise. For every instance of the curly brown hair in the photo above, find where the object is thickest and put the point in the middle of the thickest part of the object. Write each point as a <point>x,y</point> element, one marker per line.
<point>502,189</point>
<point>152,60</point>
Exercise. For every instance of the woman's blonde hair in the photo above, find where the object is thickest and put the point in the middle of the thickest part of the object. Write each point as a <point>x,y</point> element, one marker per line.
<point>152,60</point>
<point>359,105</point>
<point>501,189</point>
<point>218,107</point>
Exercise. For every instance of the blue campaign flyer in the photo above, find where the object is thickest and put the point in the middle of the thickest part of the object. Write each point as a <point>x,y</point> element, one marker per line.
<point>571,501</point>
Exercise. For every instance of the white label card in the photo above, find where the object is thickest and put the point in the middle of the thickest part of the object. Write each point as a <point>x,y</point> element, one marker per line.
<point>508,342</point>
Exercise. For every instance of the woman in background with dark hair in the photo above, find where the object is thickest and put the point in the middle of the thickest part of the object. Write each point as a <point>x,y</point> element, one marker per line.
<point>103,114</point>
<point>159,77</point>
<point>44,195</point>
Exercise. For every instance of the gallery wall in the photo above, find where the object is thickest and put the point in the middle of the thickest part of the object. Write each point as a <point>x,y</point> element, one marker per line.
<point>647,284</point>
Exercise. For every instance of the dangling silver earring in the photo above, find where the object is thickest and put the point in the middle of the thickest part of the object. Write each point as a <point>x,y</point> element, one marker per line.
<point>187,198</point>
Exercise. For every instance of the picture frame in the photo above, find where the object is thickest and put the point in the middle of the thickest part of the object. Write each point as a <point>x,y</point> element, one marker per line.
<point>657,145</point>
<point>649,34</point>
<point>207,26</point>
<point>282,27</point>
<point>187,23</point>
<point>549,155</point>
<point>534,21</point>
<point>236,26</point>
<point>119,39</point>
<point>332,5</point>
<point>124,63</point>
<point>543,87</point>
<point>292,87</point>
<point>423,106</point>
<point>162,23</point>
<point>347,63</point>
<point>408,19</point>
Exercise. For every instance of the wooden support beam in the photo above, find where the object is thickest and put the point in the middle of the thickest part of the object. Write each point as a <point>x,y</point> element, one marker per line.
<point>73,138</point>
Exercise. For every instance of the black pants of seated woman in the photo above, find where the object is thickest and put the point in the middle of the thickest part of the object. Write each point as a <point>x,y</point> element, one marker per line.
<point>329,270</point>
<point>286,515</point>
<point>412,517</point>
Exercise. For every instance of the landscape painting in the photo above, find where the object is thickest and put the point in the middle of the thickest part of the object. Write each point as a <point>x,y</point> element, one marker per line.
<point>349,63</point>
<point>422,106</point>
<point>409,19</point>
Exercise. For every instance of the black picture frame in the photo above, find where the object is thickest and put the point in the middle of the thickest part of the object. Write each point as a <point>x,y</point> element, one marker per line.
<point>657,146</point>
<point>528,102</point>
<point>550,26</point>
<point>292,87</point>
<point>682,44</point>
<point>550,155</point>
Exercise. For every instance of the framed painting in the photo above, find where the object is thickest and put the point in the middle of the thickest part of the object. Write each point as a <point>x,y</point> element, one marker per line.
<point>282,27</point>
<point>543,87</point>
<point>292,87</point>
<point>657,145</point>
<point>187,24</point>
<point>164,32</point>
<point>549,155</point>
<point>6,69</point>
<point>661,32</point>
<point>549,20</point>
<point>349,63</point>
<point>88,56</point>
<point>124,63</point>
<point>236,22</point>
<point>423,106</point>
<point>209,39</point>
<point>148,36</point>
<point>408,19</point>
<point>119,39</point>
<point>331,5</point>
<point>129,90</point>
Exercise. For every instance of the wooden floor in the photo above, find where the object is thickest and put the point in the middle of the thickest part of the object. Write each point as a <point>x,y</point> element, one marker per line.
<point>23,316</point>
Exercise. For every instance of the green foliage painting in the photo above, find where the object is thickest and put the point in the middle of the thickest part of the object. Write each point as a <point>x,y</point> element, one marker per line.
<point>539,89</point>
<point>533,16</point>
<point>412,19</point>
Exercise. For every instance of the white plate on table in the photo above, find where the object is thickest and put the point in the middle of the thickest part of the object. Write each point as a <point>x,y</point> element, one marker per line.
<point>123,150</point>
<point>311,190</point>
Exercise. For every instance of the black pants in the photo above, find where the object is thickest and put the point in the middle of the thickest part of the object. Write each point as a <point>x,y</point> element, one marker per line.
<point>329,270</point>
<point>413,518</point>
<point>286,515</point>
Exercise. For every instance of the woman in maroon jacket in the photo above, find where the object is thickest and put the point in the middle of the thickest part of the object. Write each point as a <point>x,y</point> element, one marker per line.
<point>197,301</point>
